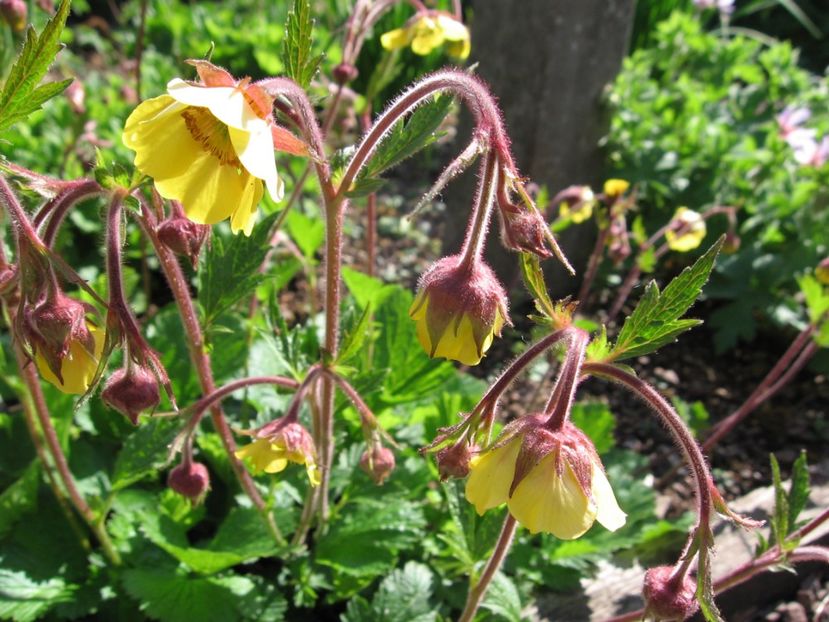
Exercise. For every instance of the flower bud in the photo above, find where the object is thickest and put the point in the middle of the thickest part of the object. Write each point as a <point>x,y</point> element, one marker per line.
<point>15,13</point>
<point>822,271</point>
<point>130,391</point>
<point>459,309</point>
<point>8,274</point>
<point>524,230</point>
<point>345,73</point>
<point>183,236</point>
<point>191,480</point>
<point>731,244</point>
<point>615,188</point>
<point>453,461</point>
<point>665,598</point>
<point>56,320</point>
<point>377,462</point>
<point>618,240</point>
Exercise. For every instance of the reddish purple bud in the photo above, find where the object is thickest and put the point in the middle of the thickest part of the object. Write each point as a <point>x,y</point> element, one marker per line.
<point>378,463</point>
<point>191,480</point>
<point>8,272</point>
<point>453,461</point>
<point>55,322</point>
<point>524,230</point>
<point>666,598</point>
<point>822,271</point>
<point>618,242</point>
<point>345,73</point>
<point>15,13</point>
<point>183,236</point>
<point>130,391</point>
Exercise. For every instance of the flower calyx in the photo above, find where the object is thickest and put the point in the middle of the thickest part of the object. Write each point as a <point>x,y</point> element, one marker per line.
<point>279,442</point>
<point>183,236</point>
<point>669,597</point>
<point>459,309</point>
<point>131,390</point>
<point>191,480</point>
<point>551,481</point>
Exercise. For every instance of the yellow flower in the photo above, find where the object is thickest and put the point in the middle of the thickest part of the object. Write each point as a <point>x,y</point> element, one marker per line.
<point>581,210</point>
<point>687,230</point>
<point>614,188</point>
<point>561,489</point>
<point>281,444</point>
<point>427,31</point>
<point>209,147</point>
<point>459,310</point>
<point>78,365</point>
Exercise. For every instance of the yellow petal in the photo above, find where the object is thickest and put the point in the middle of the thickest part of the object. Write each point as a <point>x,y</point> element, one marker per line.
<point>396,39</point>
<point>452,29</point>
<point>616,187</point>
<point>551,502</point>
<point>459,345</point>
<point>695,231</point>
<point>490,476</point>
<point>157,133</point>
<point>427,36</point>
<point>459,49</point>
<point>226,103</point>
<point>314,473</point>
<point>78,367</point>
<point>255,152</point>
<point>244,216</point>
<point>609,514</point>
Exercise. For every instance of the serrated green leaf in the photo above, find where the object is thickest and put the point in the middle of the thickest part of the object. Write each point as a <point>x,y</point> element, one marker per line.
<point>365,289</point>
<point>353,341</point>
<point>21,95</point>
<point>172,597</point>
<point>23,599</point>
<point>780,516</point>
<point>144,452</point>
<point>230,269</point>
<point>502,598</point>
<point>407,137</point>
<point>299,64</point>
<point>655,320</point>
<point>816,297</point>
<point>598,349</point>
<point>308,233</point>
<point>403,596</point>
<point>19,497</point>
<point>799,490</point>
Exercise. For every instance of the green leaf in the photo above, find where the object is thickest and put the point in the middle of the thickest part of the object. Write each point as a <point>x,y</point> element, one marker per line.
<point>598,349</point>
<point>502,598</point>
<point>308,233</point>
<point>366,290</point>
<point>655,320</point>
<point>144,452</point>
<point>300,65</point>
<point>24,600</point>
<point>19,497</point>
<point>407,137</point>
<point>534,280</point>
<point>780,517</point>
<point>172,597</point>
<point>799,489</point>
<point>403,596</point>
<point>353,341</point>
<point>230,269</point>
<point>21,94</point>
<point>816,296</point>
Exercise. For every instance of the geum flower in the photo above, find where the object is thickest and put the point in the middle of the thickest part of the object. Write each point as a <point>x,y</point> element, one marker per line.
<point>278,443</point>
<point>552,482</point>
<point>686,231</point>
<point>210,145</point>
<point>427,31</point>
<point>459,309</point>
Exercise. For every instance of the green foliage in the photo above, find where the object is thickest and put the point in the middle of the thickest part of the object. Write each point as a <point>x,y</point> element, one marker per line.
<point>788,505</point>
<point>402,597</point>
<point>299,62</point>
<point>656,319</point>
<point>25,600</point>
<point>21,94</point>
<point>694,124</point>
<point>407,137</point>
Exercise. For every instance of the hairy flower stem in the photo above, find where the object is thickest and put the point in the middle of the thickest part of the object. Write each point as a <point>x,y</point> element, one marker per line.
<point>477,591</point>
<point>201,361</point>
<point>683,437</point>
<point>473,244</point>
<point>30,378</point>
<point>561,402</point>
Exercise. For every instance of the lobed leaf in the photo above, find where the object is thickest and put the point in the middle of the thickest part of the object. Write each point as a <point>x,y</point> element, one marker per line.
<point>297,57</point>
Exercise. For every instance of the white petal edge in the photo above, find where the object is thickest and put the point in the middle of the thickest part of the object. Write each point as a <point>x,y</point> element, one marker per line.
<point>226,103</point>
<point>609,514</point>
<point>453,30</point>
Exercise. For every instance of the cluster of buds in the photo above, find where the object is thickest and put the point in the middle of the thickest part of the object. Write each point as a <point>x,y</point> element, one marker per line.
<point>279,442</point>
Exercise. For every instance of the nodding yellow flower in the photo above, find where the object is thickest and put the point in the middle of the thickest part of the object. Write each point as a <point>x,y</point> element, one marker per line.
<point>278,444</point>
<point>208,145</point>
<point>427,31</point>
<point>555,483</point>
<point>581,209</point>
<point>459,310</point>
<point>687,230</point>
<point>77,366</point>
<point>614,188</point>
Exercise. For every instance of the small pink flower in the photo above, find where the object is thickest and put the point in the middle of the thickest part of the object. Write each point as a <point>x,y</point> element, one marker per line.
<point>792,118</point>
<point>808,151</point>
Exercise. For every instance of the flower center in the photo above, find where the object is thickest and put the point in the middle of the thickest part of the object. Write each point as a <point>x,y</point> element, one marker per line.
<point>211,134</point>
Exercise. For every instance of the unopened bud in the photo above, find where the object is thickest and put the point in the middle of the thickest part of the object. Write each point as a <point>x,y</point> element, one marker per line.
<point>15,13</point>
<point>8,272</point>
<point>183,236</point>
<point>54,322</point>
<point>191,480</point>
<point>822,271</point>
<point>618,240</point>
<point>345,73</point>
<point>377,462</point>
<point>130,391</point>
<point>453,461</point>
<point>666,598</point>
<point>524,230</point>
